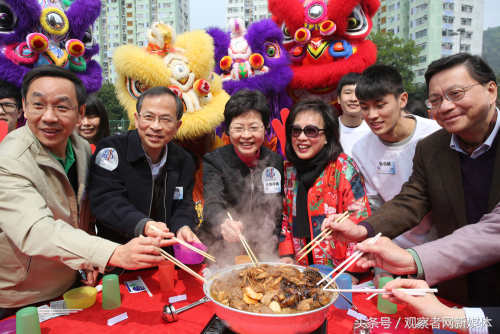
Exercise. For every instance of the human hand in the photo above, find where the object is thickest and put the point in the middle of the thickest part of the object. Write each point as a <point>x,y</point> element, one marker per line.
<point>136,254</point>
<point>185,234</point>
<point>427,306</point>
<point>230,230</point>
<point>376,278</point>
<point>158,229</point>
<point>387,255</point>
<point>91,277</point>
<point>346,231</point>
<point>286,260</point>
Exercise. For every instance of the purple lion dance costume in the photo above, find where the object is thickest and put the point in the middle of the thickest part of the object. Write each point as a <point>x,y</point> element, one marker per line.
<point>57,32</point>
<point>254,59</point>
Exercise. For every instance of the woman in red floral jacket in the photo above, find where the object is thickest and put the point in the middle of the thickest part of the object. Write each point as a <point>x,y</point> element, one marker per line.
<point>320,181</point>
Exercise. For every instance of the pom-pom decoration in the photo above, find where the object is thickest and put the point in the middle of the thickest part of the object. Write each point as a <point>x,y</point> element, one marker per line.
<point>54,21</point>
<point>177,91</point>
<point>37,42</point>
<point>327,28</point>
<point>302,36</point>
<point>256,61</point>
<point>298,53</point>
<point>225,63</point>
<point>201,87</point>
<point>21,54</point>
<point>75,48</point>
<point>340,49</point>
<point>77,64</point>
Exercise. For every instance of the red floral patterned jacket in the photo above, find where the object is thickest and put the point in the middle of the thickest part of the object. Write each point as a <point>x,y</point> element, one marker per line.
<point>338,189</point>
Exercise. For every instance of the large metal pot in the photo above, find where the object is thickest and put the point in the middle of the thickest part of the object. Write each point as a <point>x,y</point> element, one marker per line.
<point>255,323</point>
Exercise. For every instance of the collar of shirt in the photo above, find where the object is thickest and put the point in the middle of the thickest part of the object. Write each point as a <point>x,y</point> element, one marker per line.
<point>70,157</point>
<point>156,168</point>
<point>454,145</point>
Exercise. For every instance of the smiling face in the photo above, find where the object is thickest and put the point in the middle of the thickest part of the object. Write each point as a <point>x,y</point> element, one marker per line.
<point>89,127</point>
<point>9,118</point>
<point>51,130</point>
<point>382,115</point>
<point>247,143</point>
<point>305,147</point>
<point>348,100</point>
<point>468,116</point>
<point>154,136</point>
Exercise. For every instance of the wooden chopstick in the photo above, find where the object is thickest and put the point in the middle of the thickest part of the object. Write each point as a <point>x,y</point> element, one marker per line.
<point>340,219</point>
<point>199,251</point>
<point>324,231</point>
<point>247,246</point>
<point>413,292</point>
<point>350,261</point>
<point>180,264</point>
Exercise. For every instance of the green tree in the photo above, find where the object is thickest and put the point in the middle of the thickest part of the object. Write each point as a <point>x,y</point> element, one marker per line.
<point>491,47</point>
<point>107,95</point>
<point>402,55</point>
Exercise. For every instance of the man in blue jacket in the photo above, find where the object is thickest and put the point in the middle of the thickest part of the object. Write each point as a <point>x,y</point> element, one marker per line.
<point>142,179</point>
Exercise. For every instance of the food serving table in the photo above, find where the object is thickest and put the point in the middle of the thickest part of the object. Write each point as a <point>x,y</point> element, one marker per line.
<point>145,313</point>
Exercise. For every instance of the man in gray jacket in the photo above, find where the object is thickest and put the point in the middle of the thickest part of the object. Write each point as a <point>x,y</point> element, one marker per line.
<point>44,210</point>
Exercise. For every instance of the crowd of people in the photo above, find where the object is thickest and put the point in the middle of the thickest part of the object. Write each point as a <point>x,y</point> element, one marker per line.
<point>429,183</point>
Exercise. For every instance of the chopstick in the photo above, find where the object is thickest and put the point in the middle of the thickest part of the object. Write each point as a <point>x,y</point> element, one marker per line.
<point>199,251</point>
<point>324,231</point>
<point>412,292</point>
<point>375,294</point>
<point>340,219</point>
<point>145,286</point>
<point>180,264</point>
<point>247,246</point>
<point>52,310</point>
<point>352,259</point>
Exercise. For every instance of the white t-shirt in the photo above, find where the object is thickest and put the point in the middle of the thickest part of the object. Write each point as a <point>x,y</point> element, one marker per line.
<point>387,166</point>
<point>349,136</point>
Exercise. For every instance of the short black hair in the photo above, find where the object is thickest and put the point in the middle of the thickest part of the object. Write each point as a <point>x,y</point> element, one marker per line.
<point>95,107</point>
<point>418,108</point>
<point>8,90</point>
<point>330,117</point>
<point>378,81</point>
<point>158,91</point>
<point>55,72</point>
<point>477,67</point>
<point>348,79</point>
<point>245,101</point>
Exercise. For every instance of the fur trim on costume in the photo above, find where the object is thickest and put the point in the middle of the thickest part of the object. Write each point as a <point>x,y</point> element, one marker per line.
<point>81,15</point>
<point>198,48</point>
<point>55,30</point>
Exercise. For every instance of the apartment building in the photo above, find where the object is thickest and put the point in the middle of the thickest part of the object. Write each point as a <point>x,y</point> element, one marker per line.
<point>127,21</point>
<point>249,10</point>
<point>440,27</point>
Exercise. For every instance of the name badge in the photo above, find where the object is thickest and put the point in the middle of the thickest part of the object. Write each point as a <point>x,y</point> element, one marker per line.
<point>271,178</point>
<point>179,193</point>
<point>107,158</point>
<point>386,167</point>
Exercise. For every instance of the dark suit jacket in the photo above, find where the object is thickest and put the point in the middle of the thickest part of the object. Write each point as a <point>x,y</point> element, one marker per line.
<point>435,184</point>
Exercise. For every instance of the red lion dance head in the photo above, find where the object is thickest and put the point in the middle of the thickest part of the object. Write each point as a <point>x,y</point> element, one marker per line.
<point>326,40</point>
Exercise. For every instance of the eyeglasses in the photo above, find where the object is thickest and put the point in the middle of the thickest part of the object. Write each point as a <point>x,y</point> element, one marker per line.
<point>252,129</point>
<point>38,108</point>
<point>452,95</point>
<point>310,131</point>
<point>165,122</point>
<point>9,108</point>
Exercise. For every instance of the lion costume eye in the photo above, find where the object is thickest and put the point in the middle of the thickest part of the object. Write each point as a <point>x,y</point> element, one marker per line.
<point>286,33</point>
<point>272,50</point>
<point>135,88</point>
<point>8,19</point>
<point>357,24</point>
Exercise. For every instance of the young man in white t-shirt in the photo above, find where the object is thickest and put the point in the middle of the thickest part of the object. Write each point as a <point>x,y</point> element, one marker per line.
<point>352,126</point>
<point>385,155</point>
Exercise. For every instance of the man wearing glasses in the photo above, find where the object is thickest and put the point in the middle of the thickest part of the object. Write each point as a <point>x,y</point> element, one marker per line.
<point>10,105</point>
<point>141,179</point>
<point>456,172</point>
<point>44,209</point>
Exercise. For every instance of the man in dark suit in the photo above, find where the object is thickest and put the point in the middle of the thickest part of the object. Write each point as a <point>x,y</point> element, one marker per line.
<point>456,172</point>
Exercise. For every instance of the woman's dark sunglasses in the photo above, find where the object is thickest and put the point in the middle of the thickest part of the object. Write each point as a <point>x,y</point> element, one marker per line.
<point>310,131</point>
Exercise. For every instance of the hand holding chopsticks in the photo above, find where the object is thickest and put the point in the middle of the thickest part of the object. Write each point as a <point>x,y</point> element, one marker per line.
<point>252,256</point>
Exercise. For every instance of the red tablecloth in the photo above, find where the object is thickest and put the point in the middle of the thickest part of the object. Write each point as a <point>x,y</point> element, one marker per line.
<point>145,313</point>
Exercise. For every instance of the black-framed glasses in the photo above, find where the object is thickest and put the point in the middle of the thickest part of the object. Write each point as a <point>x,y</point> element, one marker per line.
<point>165,121</point>
<point>452,96</point>
<point>9,108</point>
<point>311,131</point>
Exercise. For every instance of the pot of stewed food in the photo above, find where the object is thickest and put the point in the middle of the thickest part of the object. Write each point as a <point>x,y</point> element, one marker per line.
<point>270,298</point>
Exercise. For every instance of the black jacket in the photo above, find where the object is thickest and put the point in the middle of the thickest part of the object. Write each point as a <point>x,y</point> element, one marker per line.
<point>227,187</point>
<point>121,198</point>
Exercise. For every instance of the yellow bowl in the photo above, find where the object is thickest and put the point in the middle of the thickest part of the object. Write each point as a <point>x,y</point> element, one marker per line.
<point>80,298</point>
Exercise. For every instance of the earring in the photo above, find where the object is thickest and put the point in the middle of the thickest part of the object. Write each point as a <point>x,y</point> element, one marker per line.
<point>326,142</point>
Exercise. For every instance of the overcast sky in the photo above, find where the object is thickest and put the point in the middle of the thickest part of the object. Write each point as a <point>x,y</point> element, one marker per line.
<point>212,13</point>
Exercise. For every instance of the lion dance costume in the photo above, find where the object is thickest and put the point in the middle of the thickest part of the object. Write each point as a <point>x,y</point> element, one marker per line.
<point>184,64</point>
<point>57,32</point>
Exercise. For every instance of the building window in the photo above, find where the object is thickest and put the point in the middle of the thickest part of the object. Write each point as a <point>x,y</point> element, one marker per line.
<point>391,7</point>
<point>447,32</point>
<point>419,73</point>
<point>130,41</point>
<point>422,59</point>
<point>466,9</point>
<point>448,19</point>
<point>448,6</point>
<point>421,45</point>
<point>130,23</point>
<point>419,8</point>
<point>446,46</point>
<point>129,14</point>
<point>421,20</point>
<point>466,22</point>
<point>467,35</point>
<point>383,9</point>
<point>129,5</point>
<point>421,33</point>
<point>465,47</point>
<point>383,20</point>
